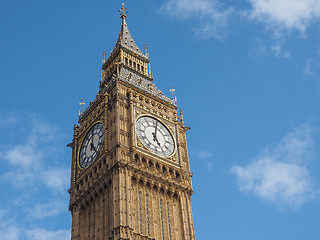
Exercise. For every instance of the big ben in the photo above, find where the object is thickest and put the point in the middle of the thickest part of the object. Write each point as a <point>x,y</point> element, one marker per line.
<point>130,173</point>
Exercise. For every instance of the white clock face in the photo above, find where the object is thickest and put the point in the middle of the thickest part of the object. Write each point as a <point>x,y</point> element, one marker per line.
<point>91,145</point>
<point>155,136</point>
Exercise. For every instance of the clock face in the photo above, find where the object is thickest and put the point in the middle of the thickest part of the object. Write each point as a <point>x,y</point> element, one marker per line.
<point>155,136</point>
<point>91,145</point>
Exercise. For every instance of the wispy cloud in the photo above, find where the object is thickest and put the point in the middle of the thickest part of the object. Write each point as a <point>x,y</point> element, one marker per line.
<point>43,234</point>
<point>26,161</point>
<point>30,167</point>
<point>47,209</point>
<point>204,154</point>
<point>285,14</point>
<point>10,233</point>
<point>279,174</point>
<point>258,50</point>
<point>278,51</point>
<point>212,18</point>
<point>308,68</point>
<point>56,178</point>
<point>7,118</point>
<point>8,230</point>
<point>261,49</point>
<point>15,233</point>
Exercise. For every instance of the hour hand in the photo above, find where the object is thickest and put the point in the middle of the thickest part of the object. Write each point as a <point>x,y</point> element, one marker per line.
<point>155,133</point>
<point>92,147</point>
<point>155,139</point>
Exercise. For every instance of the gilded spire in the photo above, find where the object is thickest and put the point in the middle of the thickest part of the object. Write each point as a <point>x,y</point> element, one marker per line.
<point>125,39</point>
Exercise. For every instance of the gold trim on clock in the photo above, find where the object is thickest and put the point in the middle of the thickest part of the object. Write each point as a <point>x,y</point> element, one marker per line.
<point>167,127</point>
<point>82,169</point>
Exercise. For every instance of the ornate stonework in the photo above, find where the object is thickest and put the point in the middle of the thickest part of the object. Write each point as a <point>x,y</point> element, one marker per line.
<point>127,191</point>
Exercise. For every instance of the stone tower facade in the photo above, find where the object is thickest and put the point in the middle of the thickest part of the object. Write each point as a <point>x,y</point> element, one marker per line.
<point>130,176</point>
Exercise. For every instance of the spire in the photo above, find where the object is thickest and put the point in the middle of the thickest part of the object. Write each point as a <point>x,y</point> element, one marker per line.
<point>125,39</point>
<point>123,12</point>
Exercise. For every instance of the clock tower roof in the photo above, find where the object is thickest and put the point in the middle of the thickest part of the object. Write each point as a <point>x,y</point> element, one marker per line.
<point>125,40</point>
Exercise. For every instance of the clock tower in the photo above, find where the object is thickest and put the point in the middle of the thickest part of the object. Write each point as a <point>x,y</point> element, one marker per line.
<point>130,176</point>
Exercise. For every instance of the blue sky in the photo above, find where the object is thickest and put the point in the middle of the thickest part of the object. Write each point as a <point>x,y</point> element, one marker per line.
<point>246,75</point>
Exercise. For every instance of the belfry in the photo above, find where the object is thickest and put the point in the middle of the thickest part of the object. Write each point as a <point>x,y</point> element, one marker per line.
<point>130,173</point>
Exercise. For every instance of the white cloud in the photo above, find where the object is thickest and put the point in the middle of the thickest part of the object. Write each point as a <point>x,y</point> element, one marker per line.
<point>213,18</point>
<point>278,52</point>
<point>19,177</point>
<point>28,161</point>
<point>47,209</point>
<point>258,50</point>
<point>204,154</point>
<point>25,156</point>
<point>10,233</point>
<point>43,234</point>
<point>7,229</point>
<point>11,230</point>
<point>279,175</point>
<point>56,178</point>
<point>7,118</point>
<point>286,14</point>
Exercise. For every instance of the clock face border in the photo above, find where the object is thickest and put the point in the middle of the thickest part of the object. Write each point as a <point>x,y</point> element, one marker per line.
<point>82,142</point>
<point>138,112</point>
<point>150,149</point>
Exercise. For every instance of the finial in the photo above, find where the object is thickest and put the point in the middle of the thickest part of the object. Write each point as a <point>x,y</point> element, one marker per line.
<point>181,115</point>
<point>146,50</point>
<point>101,79</point>
<point>150,74</point>
<point>172,90</point>
<point>104,56</point>
<point>123,12</point>
<point>81,105</point>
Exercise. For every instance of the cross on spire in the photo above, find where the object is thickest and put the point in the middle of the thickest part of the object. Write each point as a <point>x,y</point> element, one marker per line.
<point>81,103</point>
<point>172,90</point>
<point>123,12</point>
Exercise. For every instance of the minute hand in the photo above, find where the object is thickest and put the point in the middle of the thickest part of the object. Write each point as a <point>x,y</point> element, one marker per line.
<point>155,134</point>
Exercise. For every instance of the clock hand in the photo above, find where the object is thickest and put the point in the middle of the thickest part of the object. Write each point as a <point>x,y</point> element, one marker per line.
<point>92,147</point>
<point>155,133</point>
